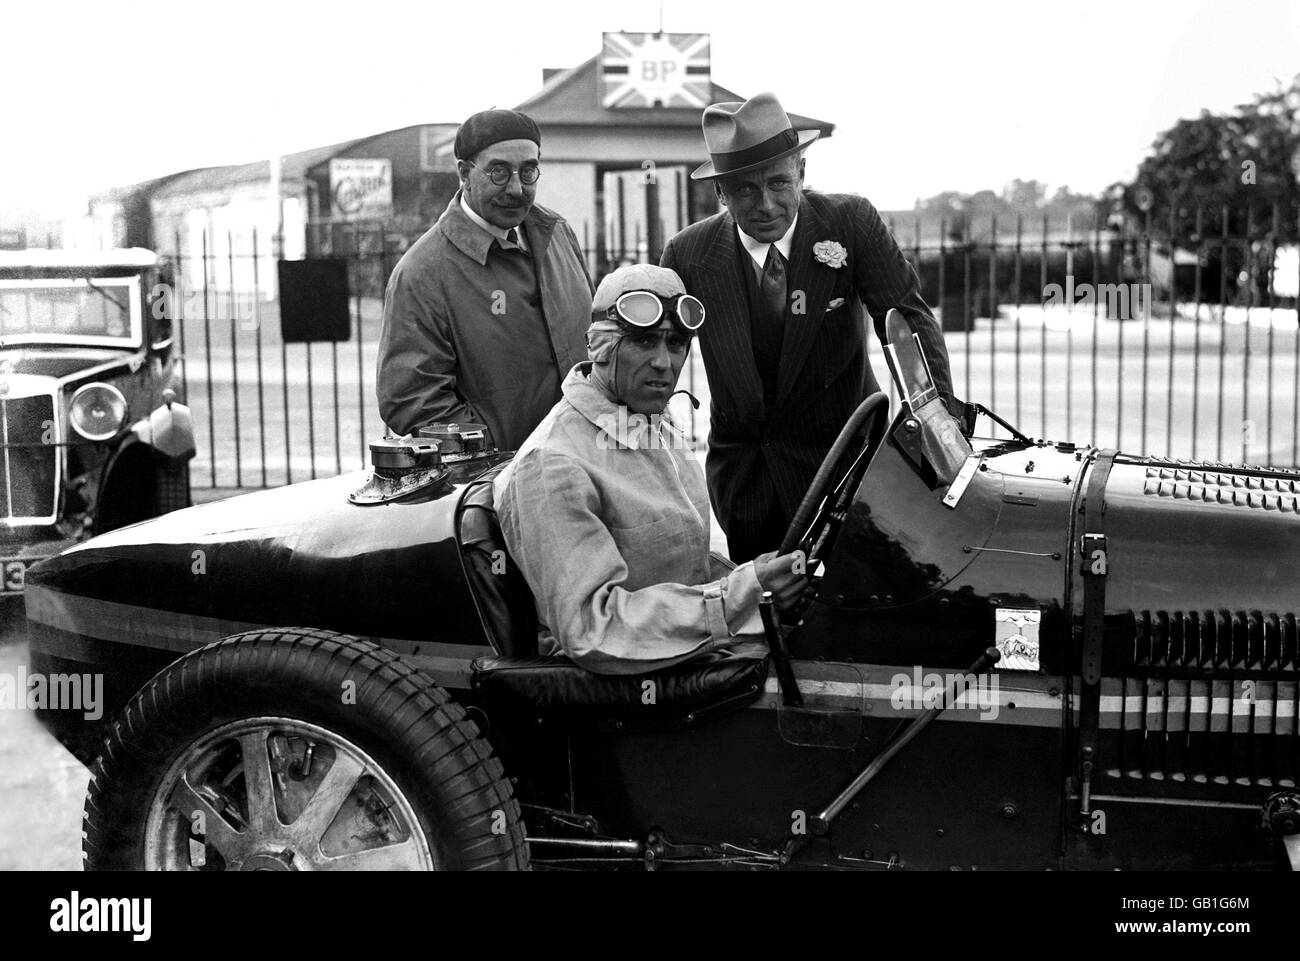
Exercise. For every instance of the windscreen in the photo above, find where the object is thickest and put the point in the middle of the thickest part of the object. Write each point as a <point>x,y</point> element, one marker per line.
<point>910,364</point>
<point>91,310</point>
<point>941,439</point>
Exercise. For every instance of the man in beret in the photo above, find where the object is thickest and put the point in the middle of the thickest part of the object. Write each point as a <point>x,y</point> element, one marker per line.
<point>604,507</point>
<point>785,274</point>
<point>485,313</point>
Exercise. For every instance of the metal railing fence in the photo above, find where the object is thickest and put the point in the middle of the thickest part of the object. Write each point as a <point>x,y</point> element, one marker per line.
<point>1180,342</point>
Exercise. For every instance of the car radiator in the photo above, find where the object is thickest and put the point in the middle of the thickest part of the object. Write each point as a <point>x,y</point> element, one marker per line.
<point>1203,697</point>
<point>29,468</point>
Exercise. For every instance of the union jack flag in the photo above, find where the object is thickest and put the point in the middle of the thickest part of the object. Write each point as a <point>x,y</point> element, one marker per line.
<point>656,70</point>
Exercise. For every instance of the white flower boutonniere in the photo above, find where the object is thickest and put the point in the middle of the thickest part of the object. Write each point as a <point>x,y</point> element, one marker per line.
<point>830,253</point>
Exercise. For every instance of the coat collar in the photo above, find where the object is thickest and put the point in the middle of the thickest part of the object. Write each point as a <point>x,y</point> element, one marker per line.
<point>753,247</point>
<point>613,420</point>
<point>720,249</point>
<point>493,229</point>
<point>475,242</point>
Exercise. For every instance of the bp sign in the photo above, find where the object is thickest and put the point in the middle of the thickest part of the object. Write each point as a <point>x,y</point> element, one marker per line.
<point>655,70</point>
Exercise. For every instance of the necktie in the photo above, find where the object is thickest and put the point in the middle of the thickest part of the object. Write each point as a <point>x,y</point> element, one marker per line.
<point>512,236</point>
<point>770,329</point>
<point>772,284</point>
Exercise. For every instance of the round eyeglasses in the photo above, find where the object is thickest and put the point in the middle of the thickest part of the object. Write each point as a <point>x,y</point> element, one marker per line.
<point>500,174</point>
<point>641,308</point>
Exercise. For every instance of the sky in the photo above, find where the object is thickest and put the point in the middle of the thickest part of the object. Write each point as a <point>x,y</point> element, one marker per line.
<point>927,96</point>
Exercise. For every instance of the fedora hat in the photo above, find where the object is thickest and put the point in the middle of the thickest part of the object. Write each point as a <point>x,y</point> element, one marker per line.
<point>745,136</point>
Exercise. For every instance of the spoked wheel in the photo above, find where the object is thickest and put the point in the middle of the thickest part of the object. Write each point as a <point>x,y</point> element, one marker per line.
<point>275,794</point>
<point>298,749</point>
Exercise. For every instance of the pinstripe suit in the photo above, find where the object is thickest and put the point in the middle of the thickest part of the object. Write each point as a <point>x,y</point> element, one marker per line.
<point>761,462</point>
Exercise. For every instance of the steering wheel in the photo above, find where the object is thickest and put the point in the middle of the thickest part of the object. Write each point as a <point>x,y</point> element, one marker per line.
<point>829,489</point>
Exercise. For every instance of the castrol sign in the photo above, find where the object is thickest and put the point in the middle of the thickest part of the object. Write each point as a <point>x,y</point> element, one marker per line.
<point>361,189</point>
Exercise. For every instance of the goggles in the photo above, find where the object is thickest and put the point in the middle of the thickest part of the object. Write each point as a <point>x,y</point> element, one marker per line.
<point>641,308</point>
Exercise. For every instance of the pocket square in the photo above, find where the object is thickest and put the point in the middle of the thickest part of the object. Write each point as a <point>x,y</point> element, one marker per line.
<point>837,302</point>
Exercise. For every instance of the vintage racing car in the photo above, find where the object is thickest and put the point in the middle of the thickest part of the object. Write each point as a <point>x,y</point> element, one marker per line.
<point>91,432</point>
<point>344,674</point>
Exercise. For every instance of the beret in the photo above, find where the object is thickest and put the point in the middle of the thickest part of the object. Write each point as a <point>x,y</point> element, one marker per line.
<point>493,126</point>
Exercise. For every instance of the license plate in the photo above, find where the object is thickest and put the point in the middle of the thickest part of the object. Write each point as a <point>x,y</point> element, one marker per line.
<point>13,573</point>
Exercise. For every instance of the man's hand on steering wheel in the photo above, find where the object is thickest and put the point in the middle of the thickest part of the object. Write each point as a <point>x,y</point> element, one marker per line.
<point>966,415</point>
<point>784,575</point>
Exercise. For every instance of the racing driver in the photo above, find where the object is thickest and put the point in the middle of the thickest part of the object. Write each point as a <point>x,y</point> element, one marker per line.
<point>605,508</point>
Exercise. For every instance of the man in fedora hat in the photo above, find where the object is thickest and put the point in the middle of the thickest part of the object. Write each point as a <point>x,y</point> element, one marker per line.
<point>485,314</point>
<point>785,274</point>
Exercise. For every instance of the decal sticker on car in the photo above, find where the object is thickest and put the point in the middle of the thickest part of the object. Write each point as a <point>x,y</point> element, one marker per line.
<point>1015,632</point>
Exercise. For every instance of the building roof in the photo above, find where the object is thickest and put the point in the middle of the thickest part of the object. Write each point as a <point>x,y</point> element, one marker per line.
<point>438,134</point>
<point>568,98</point>
<point>115,194</point>
<point>572,97</point>
<point>293,166</point>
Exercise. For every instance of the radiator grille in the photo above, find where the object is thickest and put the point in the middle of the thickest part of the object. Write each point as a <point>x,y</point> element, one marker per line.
<point>29,467</point>
<point>1215,640</point>
<point>1208,697</point>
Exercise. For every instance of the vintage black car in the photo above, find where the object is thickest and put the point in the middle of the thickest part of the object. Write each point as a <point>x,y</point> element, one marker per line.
<point>344,674</point>
<point>92,434</point>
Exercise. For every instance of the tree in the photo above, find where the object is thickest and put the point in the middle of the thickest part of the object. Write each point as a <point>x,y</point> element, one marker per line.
<point>1245,160</point>
<point>1024,196</point>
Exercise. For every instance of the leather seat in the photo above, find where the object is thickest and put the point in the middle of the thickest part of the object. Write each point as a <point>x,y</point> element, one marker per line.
<point>555,690</point>
<point>504,601</point>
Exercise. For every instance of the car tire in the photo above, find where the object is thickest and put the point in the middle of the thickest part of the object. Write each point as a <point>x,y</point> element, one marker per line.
<point>425,770</point>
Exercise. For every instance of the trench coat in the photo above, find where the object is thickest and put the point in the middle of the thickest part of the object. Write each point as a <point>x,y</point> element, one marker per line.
<point>607,515</point>
<point>463,342</point>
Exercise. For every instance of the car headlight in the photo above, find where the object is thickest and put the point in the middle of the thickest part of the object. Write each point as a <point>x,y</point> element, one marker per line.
<point>98,411</point>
